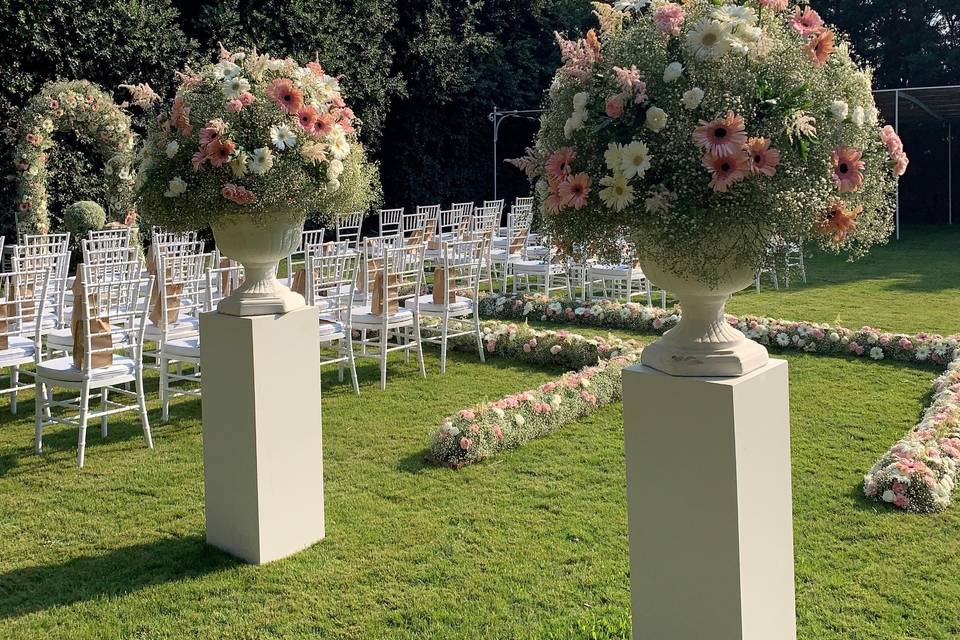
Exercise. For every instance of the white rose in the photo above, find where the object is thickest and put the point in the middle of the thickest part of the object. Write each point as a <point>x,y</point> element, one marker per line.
<point>693,98</point>
<point>333,186</point>
<point>839,109</point>
<point>573,123</point>
<point>672,72</point>
<point>172,148</point>
<point>873,115</point>
<point>656,118</point>
<point>175,188</point>
<point>335,169</point>
<point>888,496</point>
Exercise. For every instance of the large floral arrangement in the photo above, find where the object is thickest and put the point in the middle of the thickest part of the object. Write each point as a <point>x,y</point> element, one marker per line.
<point>487,429</point>
<point>85,109</point>
<point>679,124</point>
<point>254,135</point>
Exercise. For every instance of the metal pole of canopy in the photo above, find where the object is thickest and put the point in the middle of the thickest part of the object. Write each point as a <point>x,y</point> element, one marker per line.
<point>950,172</point>
<point>495,119</point>
<point>896,126</point>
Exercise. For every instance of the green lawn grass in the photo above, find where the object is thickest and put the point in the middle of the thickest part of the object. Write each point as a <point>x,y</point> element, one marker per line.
<point>910,285</point>
<point>531,545</point>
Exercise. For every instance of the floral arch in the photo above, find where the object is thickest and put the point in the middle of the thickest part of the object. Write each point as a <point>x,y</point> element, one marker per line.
<point>84,108</point>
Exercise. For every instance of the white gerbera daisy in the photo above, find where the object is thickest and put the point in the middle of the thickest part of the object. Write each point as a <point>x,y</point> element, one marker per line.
<point>613,156</point>
<point>261,162</point>
<point>339,146</point>
<point>636,160</point>
<point>709,39</point>
<point>618,194</point>
<point>175,188</point>
<point>233,86</point>
<point>238,164</point>
<point>282,137</point>
<point>736,14</point>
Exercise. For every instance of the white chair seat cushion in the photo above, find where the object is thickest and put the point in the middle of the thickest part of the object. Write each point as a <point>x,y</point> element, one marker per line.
<point>61,338</point>
<point>460,305</point>
<point>186,348</point>
<point>63,369</point>
<point>184,326</point>
<point>534,266</point>
<point>18,348</point>
<point>331,330</point>
<point>615,271</point>
<point>364,316</point>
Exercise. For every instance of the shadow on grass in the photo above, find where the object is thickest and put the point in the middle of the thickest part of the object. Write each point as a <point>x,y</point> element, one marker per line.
<point>117,573</point>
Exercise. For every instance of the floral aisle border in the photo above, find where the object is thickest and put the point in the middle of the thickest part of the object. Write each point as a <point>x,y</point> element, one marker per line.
<point>83,107</point>
<point>918,473</point>
<point>485,430</point>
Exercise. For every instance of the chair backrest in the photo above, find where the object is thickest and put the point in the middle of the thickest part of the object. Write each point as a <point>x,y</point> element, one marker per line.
<point>107,249</point>
<point>524,202</point>
<point>55,242</point>
<point>462,261</point>
<point>390,221</point>
<point>24,296</point>
<point>307,239</point>
<point>171,249</point>
<point>52,256</point>
<point>182,287</point>
<point>497,204</point>
<point>123,302</point>
<point>517,238</point>
<point>124,235</point>
<point>331,282</point>
<point>465,208</point>
<point>486,218</point>
<point>348,227</point>
<point>402,278</point>
<point>123,264</point>
<point>225,276</point>
<point>449,221</point>
<point>414,223</point>
<point>162,236</point>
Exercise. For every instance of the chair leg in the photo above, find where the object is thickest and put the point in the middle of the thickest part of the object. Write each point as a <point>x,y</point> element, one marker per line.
<point>164,389</point>
<point>41,405</point>
<point>383,358</point>
<point>443,344</point>
<point>14,383</point>
<point>476,325</point>
<point>104,428</point>
<point>142,402</point>
<point>82,436</point>
<point>353,365</point>
<point>416,334</point>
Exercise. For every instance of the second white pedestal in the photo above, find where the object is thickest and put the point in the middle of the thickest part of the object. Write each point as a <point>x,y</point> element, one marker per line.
<point>709,505</point>
<point>262,433</point>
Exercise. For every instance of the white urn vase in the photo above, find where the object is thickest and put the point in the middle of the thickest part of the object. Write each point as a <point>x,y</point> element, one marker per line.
<point>703,343</point>
<point>259,245</point>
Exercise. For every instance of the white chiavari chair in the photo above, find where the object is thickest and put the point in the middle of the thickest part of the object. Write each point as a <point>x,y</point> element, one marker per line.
<point>793,261</point>
<point>331,283</point>
<point>390,222</point>
<point>497,204</point>
<point>186,292</point>
<point>298,258</point>
<point>348,228</point>
<point>414,226</point>
<point>113,315</point>
<point>21,308</point>
<point>544,272</point>
<point>465,208</point>
<point>619,282</point>
<point>55,258</point>
<point>163,324</point>
<point>524,202</point>
<point>124,233</point>
<point>400,276</point>
<point>502,259</point>
<point>458,273</point>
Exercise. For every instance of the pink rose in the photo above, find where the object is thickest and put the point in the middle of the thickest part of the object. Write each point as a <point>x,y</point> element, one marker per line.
<point>465,443</point>
<point>467,415</point>
<point>555,349</point>
<point>901,501</point>
<point>526,347</point>
<point>905,343</point>
<point>668,18</point>
<point>615,106</point>
<point>247,98</point>
<point>234,106</point>
<point>491,346</point>
<point>498,433</point>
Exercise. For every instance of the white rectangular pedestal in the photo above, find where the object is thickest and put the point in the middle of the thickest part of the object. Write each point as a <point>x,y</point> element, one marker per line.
<point>262,435</point>
<point>709,505</point>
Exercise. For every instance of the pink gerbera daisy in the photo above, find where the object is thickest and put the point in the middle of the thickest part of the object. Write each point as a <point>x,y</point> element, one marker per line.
<point>558,166</point>
<point>554,200</point>
<point>847,168</point>
<point>820,48</point>
<point>723,136</point>
<point>323,125</point>
<point>307,116</point>
<point>219,152</point>
<point>807,22</point>
<point>725,169</point>
<point>763,159</point>
<point>286,95</point>
<point>575,189</point>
